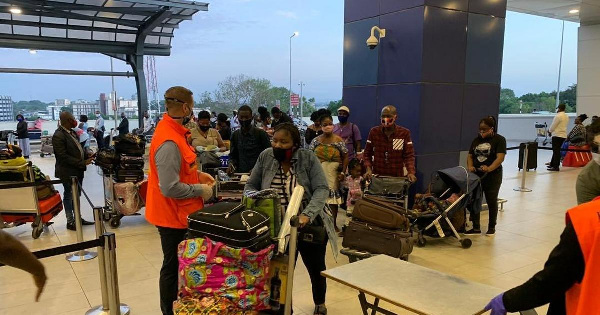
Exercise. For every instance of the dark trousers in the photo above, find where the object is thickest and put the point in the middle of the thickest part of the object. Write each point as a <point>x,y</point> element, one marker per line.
<point>167,283</point>
<point>491,187</point>
<point>313,256</point>
<point>99,135</point>
<point>557,143</point>
<point>68,198</point>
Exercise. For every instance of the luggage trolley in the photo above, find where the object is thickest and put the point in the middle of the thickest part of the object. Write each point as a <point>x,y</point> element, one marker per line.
<point>23,205</point>
<point>541,130</point>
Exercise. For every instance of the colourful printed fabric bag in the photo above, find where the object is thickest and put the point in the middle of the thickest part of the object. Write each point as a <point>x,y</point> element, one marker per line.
<point>207,267</point>
<point>207,305</point>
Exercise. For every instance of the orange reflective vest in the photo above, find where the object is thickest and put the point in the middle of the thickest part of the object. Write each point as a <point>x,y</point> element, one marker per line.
<point>584,298</point>
<point>160,210</point>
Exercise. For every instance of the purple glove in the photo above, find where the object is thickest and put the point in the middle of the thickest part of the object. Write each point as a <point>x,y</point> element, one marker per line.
<point>496,305</point>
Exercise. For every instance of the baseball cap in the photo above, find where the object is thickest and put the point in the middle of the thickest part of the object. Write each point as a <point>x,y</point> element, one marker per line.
<point>344,108</point>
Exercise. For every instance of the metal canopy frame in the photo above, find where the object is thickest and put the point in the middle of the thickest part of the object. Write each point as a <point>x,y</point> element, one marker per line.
<point>123,29</point>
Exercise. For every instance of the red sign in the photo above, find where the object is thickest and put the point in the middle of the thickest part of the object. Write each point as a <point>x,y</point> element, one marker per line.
<point>295,100</point>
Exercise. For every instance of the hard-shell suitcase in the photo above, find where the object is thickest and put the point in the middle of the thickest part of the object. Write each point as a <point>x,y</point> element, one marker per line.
<point>232,224</point>
<point>130,144</point>
<point>129,162</point>
<point>531,155</point>
<point>122,176</point>
<point>49,208</point>
<point>381,213</point>
<point>127,198</point>
<point>107,159</point>
<point>375,240</point>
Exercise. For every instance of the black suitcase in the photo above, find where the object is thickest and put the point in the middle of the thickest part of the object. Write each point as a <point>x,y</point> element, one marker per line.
<point>375,240</point>
<point>531,155</point>
<point>122,176</point>
<point>130,144</point>
<point>232,224</point>
<point>107,159</point>
<point>129,162</point>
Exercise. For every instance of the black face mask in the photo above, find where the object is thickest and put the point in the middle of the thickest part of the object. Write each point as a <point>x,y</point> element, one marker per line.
<point>283,154</point>
<point>246,123</point>
<point>204,128</point>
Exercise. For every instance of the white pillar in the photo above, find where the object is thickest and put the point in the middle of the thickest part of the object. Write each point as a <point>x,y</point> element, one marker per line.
<point>588,70</point>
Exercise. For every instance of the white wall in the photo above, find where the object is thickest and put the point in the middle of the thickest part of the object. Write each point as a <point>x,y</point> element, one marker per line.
<point>521,127</point>
<point>588,70</point>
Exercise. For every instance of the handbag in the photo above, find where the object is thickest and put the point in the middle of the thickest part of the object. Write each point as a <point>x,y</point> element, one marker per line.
<point>386,185</point>
<point>209,160</point>
<point>314,232</point>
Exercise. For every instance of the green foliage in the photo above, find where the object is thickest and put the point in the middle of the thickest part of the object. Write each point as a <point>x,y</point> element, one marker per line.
<point>92,116</point>
<point>29,106</point>
<point>530,102</point>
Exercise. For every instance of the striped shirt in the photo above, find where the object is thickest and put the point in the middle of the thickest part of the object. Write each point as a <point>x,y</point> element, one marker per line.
<point>284,184</point>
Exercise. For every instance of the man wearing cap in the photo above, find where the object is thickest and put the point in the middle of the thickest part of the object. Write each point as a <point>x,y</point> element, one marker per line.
<point>175,187</point>
<point>348,131</point>
<point>389,150</point>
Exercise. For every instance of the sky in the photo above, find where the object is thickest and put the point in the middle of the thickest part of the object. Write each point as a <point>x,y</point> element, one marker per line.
<point>251,37</point>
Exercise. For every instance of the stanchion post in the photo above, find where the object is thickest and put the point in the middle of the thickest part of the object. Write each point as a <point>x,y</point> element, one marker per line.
<point>82,255</point>
<point>102,309</point>
<point>112,276</point>
<point>522,188</point>
<point>294,222</point>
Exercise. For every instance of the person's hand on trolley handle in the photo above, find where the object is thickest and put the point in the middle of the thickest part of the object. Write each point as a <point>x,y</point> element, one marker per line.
<point>496,305</point>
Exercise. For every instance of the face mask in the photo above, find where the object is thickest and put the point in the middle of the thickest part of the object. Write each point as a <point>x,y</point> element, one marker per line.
<point>343,119</point>
<point>387,121</point>
<point>283,154</point>
<point>204,128</point>
<point>246,123</point>
<point>74,124</point>
<point>19,119</point>
<point>327,129</point>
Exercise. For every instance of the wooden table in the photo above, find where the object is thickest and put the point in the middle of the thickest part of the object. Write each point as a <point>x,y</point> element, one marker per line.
<point>418,289</point>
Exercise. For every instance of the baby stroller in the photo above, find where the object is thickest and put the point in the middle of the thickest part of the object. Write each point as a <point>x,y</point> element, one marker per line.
<point>47,148</point>
<point>467,189</point>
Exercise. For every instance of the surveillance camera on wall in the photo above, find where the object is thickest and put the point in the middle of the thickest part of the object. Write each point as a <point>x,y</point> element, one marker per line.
<point>372,41</point>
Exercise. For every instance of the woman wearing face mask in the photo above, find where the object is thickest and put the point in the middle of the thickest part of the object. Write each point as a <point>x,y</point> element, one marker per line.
<point>314,130</point>
<point>23,135</point>
<point>485,158</point>
<point>204,135</point>
<point>333,154</point>
<point>588,181</point>
<point>283,167</point>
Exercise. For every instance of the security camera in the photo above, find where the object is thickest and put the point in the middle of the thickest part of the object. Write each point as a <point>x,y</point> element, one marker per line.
<point>372,41</point>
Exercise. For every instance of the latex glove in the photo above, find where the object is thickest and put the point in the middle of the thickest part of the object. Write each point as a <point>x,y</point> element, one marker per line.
<point>207,191</point>
<point>496,305</point>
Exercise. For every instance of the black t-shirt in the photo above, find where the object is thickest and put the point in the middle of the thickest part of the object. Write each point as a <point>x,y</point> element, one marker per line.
<point>485,151</point>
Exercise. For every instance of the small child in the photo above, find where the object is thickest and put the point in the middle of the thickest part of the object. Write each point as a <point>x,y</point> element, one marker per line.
<point>355,184</point>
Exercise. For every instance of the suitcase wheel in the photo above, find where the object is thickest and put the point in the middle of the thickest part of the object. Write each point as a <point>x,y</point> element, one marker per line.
<point>466,243</point>
<point>115,222</point>
<point>421,241</point>
<point>37,231</point>
<point>42,154</point>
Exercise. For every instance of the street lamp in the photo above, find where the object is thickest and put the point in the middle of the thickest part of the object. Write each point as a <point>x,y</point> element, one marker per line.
<point>302,85</point>
<point>293,35</point>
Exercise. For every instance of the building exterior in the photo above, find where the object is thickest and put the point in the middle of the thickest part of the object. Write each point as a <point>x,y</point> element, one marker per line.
<point>6,108</point>
<point>103,103</point>
<point>129,107</point>
<point>54,112</point>
<point>62,102</point>
<point>82,107</point>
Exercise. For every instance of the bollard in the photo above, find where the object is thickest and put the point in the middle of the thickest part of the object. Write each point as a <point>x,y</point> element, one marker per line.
<point>522,188</point>
<point>294,222</point>
<point>104,308</point>
<point>82,255</point>
<point>110,255</point>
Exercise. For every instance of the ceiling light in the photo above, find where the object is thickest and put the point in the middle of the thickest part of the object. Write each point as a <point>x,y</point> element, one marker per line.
<point>15,10</point>
<point>574,11</point>
<point>33,51</point>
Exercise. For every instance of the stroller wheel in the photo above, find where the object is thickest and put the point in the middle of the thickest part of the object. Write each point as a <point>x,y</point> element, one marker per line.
<point>421,242</point>
<point>466,243</point>
<point>41,154</point>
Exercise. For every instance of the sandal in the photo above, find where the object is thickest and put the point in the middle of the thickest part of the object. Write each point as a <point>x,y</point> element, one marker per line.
<point>320,310</point>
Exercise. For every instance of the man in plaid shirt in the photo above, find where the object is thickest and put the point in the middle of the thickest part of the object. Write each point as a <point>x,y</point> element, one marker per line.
<point>389,149</point>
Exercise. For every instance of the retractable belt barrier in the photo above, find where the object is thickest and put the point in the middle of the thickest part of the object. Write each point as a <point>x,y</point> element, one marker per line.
<point>30,184</point>
<point>65,249</point>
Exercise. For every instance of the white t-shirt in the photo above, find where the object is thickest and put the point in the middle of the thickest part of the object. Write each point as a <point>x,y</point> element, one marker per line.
<point>559,125</point>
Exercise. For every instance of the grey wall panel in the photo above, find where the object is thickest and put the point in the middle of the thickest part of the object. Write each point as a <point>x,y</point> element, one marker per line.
<point>362,102</point>
<point>407,99</point>
<point>429,163</point>
<point>489,7</point>
<point>485,43</point>
<point>444,41</point>
<point>360,9</point>
<point>440,118</point>
<point>461,5</point>
<point>480,100</point>
<point>388,6</point>
<point>401,51</point>
<point>360,62</point>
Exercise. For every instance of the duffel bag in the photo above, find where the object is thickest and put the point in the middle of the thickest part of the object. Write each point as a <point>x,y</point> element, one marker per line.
<point>212,267</point>
<point>14,170</point>
<point>232,224</point>
<point>130,144</point>
<point>127,198</point>
<point>387,185</point>
<point>268,203</point>
<point>382,213</point>
<point>375,240</point>
<point>107,158</point>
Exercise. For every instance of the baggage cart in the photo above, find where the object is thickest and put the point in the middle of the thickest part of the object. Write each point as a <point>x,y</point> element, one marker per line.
<point>47,149</point>
<point>541,132</point>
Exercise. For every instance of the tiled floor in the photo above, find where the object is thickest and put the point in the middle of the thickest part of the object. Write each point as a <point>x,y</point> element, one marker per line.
<point>527,230</point>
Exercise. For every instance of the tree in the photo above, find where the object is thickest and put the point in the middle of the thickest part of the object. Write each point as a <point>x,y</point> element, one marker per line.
<point>569,97</point>
<point>92,116</point>
<point>66,109</point>
<point>509,103</point>
<point>333,107</point>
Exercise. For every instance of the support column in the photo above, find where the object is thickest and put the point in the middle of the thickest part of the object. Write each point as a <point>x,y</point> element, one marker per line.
<point>440,64</point>
<point>588,70</point>
<point>137,64</point>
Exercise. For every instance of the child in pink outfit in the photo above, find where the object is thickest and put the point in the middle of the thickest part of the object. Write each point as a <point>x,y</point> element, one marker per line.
<point>355,183</point>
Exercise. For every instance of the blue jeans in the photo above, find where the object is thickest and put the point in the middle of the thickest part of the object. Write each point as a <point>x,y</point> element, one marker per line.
<point>68,199</point>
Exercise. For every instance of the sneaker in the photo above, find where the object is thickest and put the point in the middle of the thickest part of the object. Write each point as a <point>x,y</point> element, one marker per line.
<point>473,231</point>
<point>491,232</point>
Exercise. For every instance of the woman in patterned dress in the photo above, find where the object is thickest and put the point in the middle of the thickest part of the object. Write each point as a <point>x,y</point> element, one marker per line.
<point>333,154</point>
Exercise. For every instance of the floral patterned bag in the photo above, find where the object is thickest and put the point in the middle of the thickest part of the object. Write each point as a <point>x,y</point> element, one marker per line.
<point>208,267</point>
<point>208,305</point>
